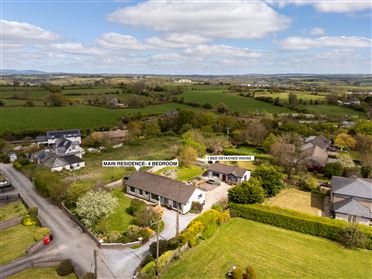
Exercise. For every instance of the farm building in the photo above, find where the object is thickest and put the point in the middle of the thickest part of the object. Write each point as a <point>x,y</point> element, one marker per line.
<point>171,193</point>
<point>351,199</point>
<point>228,174</point>
<point>114,136</point>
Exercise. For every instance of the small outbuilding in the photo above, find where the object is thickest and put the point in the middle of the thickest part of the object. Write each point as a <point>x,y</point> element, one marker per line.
<point>228,174</point>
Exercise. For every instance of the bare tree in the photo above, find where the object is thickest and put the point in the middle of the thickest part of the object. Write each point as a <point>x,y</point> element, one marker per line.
<point>255,133</point>
<point>287,152</point>
<point>364,145</point>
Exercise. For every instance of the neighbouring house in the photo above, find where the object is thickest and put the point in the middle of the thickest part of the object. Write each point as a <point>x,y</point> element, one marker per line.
<point>228,174</point>
<point>51,136</point>
<point>63,152</point>
<point>315,152</point>
<point>12,156</point>
<point>114,136</point>
<point>351,199</point>
<point>171,193</point>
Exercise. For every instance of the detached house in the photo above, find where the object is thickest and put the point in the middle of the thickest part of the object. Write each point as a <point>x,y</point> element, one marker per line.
<point>52,136</point>
<point>351,199</point>
<point>228,174</point>
<point>315,151</point>
<point>171,193</point>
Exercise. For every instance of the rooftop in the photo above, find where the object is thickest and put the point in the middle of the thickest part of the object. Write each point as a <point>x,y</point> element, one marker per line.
<point>353,187</point>
<point>352,207</point>
<point>226,169</point>
<point>63,133</point>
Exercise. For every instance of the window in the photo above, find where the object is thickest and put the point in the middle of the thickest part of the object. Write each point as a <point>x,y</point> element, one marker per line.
<point>140,192</point>
<point>175,204</point>
<point>200,196</point>
<point>146,193</point>
<point>351,218</point>
<point>132,189</point>
<point>154,197</point>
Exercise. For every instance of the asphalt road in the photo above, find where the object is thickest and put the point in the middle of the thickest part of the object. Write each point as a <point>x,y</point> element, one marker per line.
<point>71,242</point>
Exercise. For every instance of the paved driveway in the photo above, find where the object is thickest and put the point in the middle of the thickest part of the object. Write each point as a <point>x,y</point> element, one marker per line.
<point>215,195</point>
<point>71,242</point>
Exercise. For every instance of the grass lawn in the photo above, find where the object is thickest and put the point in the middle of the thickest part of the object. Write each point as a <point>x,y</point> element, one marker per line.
<point>284,96</point>
<point>242,164</point>
<point>237,103</point>
<point>183,173</point>
<point>14,242</point>
<point>119,220</point>
<point>69,117</point>
<point>273,252</point>
<point>41,273</point>
<point>307,202</point>
<point>334,110</point>
<point>12,210</point>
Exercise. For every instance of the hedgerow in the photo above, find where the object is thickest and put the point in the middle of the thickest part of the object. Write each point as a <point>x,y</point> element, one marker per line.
<point>296,221</point>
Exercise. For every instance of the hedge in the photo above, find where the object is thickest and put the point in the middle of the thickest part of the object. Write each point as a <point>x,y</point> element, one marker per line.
<point>296,221</point>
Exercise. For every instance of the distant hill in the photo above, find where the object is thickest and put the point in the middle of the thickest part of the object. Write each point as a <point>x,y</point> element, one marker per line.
<point>7,72</point>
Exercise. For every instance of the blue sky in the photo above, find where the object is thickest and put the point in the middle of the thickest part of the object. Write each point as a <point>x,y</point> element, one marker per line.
<point>187,37</point>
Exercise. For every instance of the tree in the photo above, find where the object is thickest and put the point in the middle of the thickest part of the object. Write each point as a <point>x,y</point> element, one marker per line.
<point>94,206</point>
<point>352,237</point>
<point>333,169</point>
<point>221,108</point>
<point>147,216</point>
<point>74,192</point>
<point>287,152</point>
<point>54,100</point>
<point>187,155</point>
<point>247,192</point>
<point>271,179</point>
<point>255,133</point>
<point>365,171</point>
<point>364,127</point>
<point>269,141</point>
<point>250,273</point>
<point>332,98</point>
<point>364,146</point>
<point>292,99</point>
<point>344,140</point>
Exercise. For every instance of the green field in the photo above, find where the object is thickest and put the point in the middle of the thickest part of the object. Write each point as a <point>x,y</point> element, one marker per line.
<point>334,110</point>
<point>119,220</point>
<point>12,210</point>
<point>273,252</point>
<point>68,117</point>
<point>284,96</point>
<point>41,273</point>
<point>14,242</point>
<point>237,103</point>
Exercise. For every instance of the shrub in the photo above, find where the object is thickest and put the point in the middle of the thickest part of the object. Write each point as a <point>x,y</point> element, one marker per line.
<point>352,237</point>
<point>113,236</point>
<point>148,271</point>
<point>40,233</point>
<point>17,166</point>
<point>250,273</point>
<point>146,216</point>
<point>135,205</point>
<point>247,192</point>
<point>88,275</point>
<point>271,179</point>
<point>133,232</point>
<point>65,268</point>
<point>237,273</point>
<point>196,207</point>
<point>33,212</point>
<point>164,245</point>
<point>333,169</point>
<point>296,221</point>
<point>165,259</point>
<point>29,221</point>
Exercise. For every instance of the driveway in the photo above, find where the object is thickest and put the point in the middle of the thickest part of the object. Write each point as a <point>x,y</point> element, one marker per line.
<point>71,242</point>
<point>216,195</point>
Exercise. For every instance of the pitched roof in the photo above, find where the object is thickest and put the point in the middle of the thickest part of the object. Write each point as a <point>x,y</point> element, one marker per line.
<point>316,154</point>
<point>353,187</point>
<point>352,207</point>
<point>226,169</point>
<point>110,134</point>
<point>63,133</point>
<point>161,186</point>
<point>52,160</point>
<point>320,141</point>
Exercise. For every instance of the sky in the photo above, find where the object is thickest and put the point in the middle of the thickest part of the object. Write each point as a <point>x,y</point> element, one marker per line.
<point>220,37</point>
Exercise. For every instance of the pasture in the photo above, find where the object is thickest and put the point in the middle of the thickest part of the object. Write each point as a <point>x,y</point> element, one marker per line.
<point>273,252</point>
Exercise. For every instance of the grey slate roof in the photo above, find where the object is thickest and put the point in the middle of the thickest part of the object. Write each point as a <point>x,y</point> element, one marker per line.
<point>320,141</point>
<point>63,133</point>
<point>226,169</point>
<point>316,154</point>
<point>353,187</point>
<point>161,186</point>
<point>51,160</point>
<point>352,207</point>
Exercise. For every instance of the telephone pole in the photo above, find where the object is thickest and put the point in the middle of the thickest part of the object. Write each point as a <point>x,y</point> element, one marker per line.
<point>95,264</point>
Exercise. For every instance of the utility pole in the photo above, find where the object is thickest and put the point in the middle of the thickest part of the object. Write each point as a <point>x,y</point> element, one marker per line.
<point>95,264</point>
<point>227,133</point>
<point>157,250</point>
<point>178,220</point>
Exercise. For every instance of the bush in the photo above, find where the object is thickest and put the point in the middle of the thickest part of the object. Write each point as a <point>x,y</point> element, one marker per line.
<point>296,221</point>
<point>134,232</point>
<point>135,205</point>
<point>164,245</point>
<point>33,212</point>
<point>29,221</point>
<point>352,237</point>
<point>196,207</point>
<point>113,236</point>
<point>146,216</point>
<point>40,233</point>
<point>65,268</point>
<point>247,192</point>
<point>88,275</point>
<point>146,260</point>
<point>250,273</point>
<point>17,166</point>
<point>271,179</point>
<point>237,273</point>
<point>148,271</point>
<point>333,169</point>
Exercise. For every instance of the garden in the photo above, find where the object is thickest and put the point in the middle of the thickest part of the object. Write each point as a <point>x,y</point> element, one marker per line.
<point>183,173</point>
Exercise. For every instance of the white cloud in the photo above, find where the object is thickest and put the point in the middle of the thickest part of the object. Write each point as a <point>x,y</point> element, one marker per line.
<point>118,41</point>
<point>222,50</point>
<point>328,6</point>
<point>302,43</point>
<point>75,48</point>
<point>24,33</point>
<point>236,19</point>
<point>317,31</point>
<point>176,40</point>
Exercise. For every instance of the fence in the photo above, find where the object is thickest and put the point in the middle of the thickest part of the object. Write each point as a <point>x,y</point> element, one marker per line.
<point>10,197</point>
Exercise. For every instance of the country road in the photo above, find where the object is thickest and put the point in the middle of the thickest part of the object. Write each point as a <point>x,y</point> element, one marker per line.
<point>71,242</point>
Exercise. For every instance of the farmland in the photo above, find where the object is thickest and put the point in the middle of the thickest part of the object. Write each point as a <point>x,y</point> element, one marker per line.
<point>300,95</point>
<point>242,242</point>
<point>68,117</point>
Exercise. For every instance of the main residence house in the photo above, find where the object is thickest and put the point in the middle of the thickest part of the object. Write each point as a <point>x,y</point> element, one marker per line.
<point>228,174</point>
<point>351,199</point>
<point>171,193</point>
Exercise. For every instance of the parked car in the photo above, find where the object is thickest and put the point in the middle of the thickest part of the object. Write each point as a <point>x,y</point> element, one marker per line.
<point>214,181</point>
